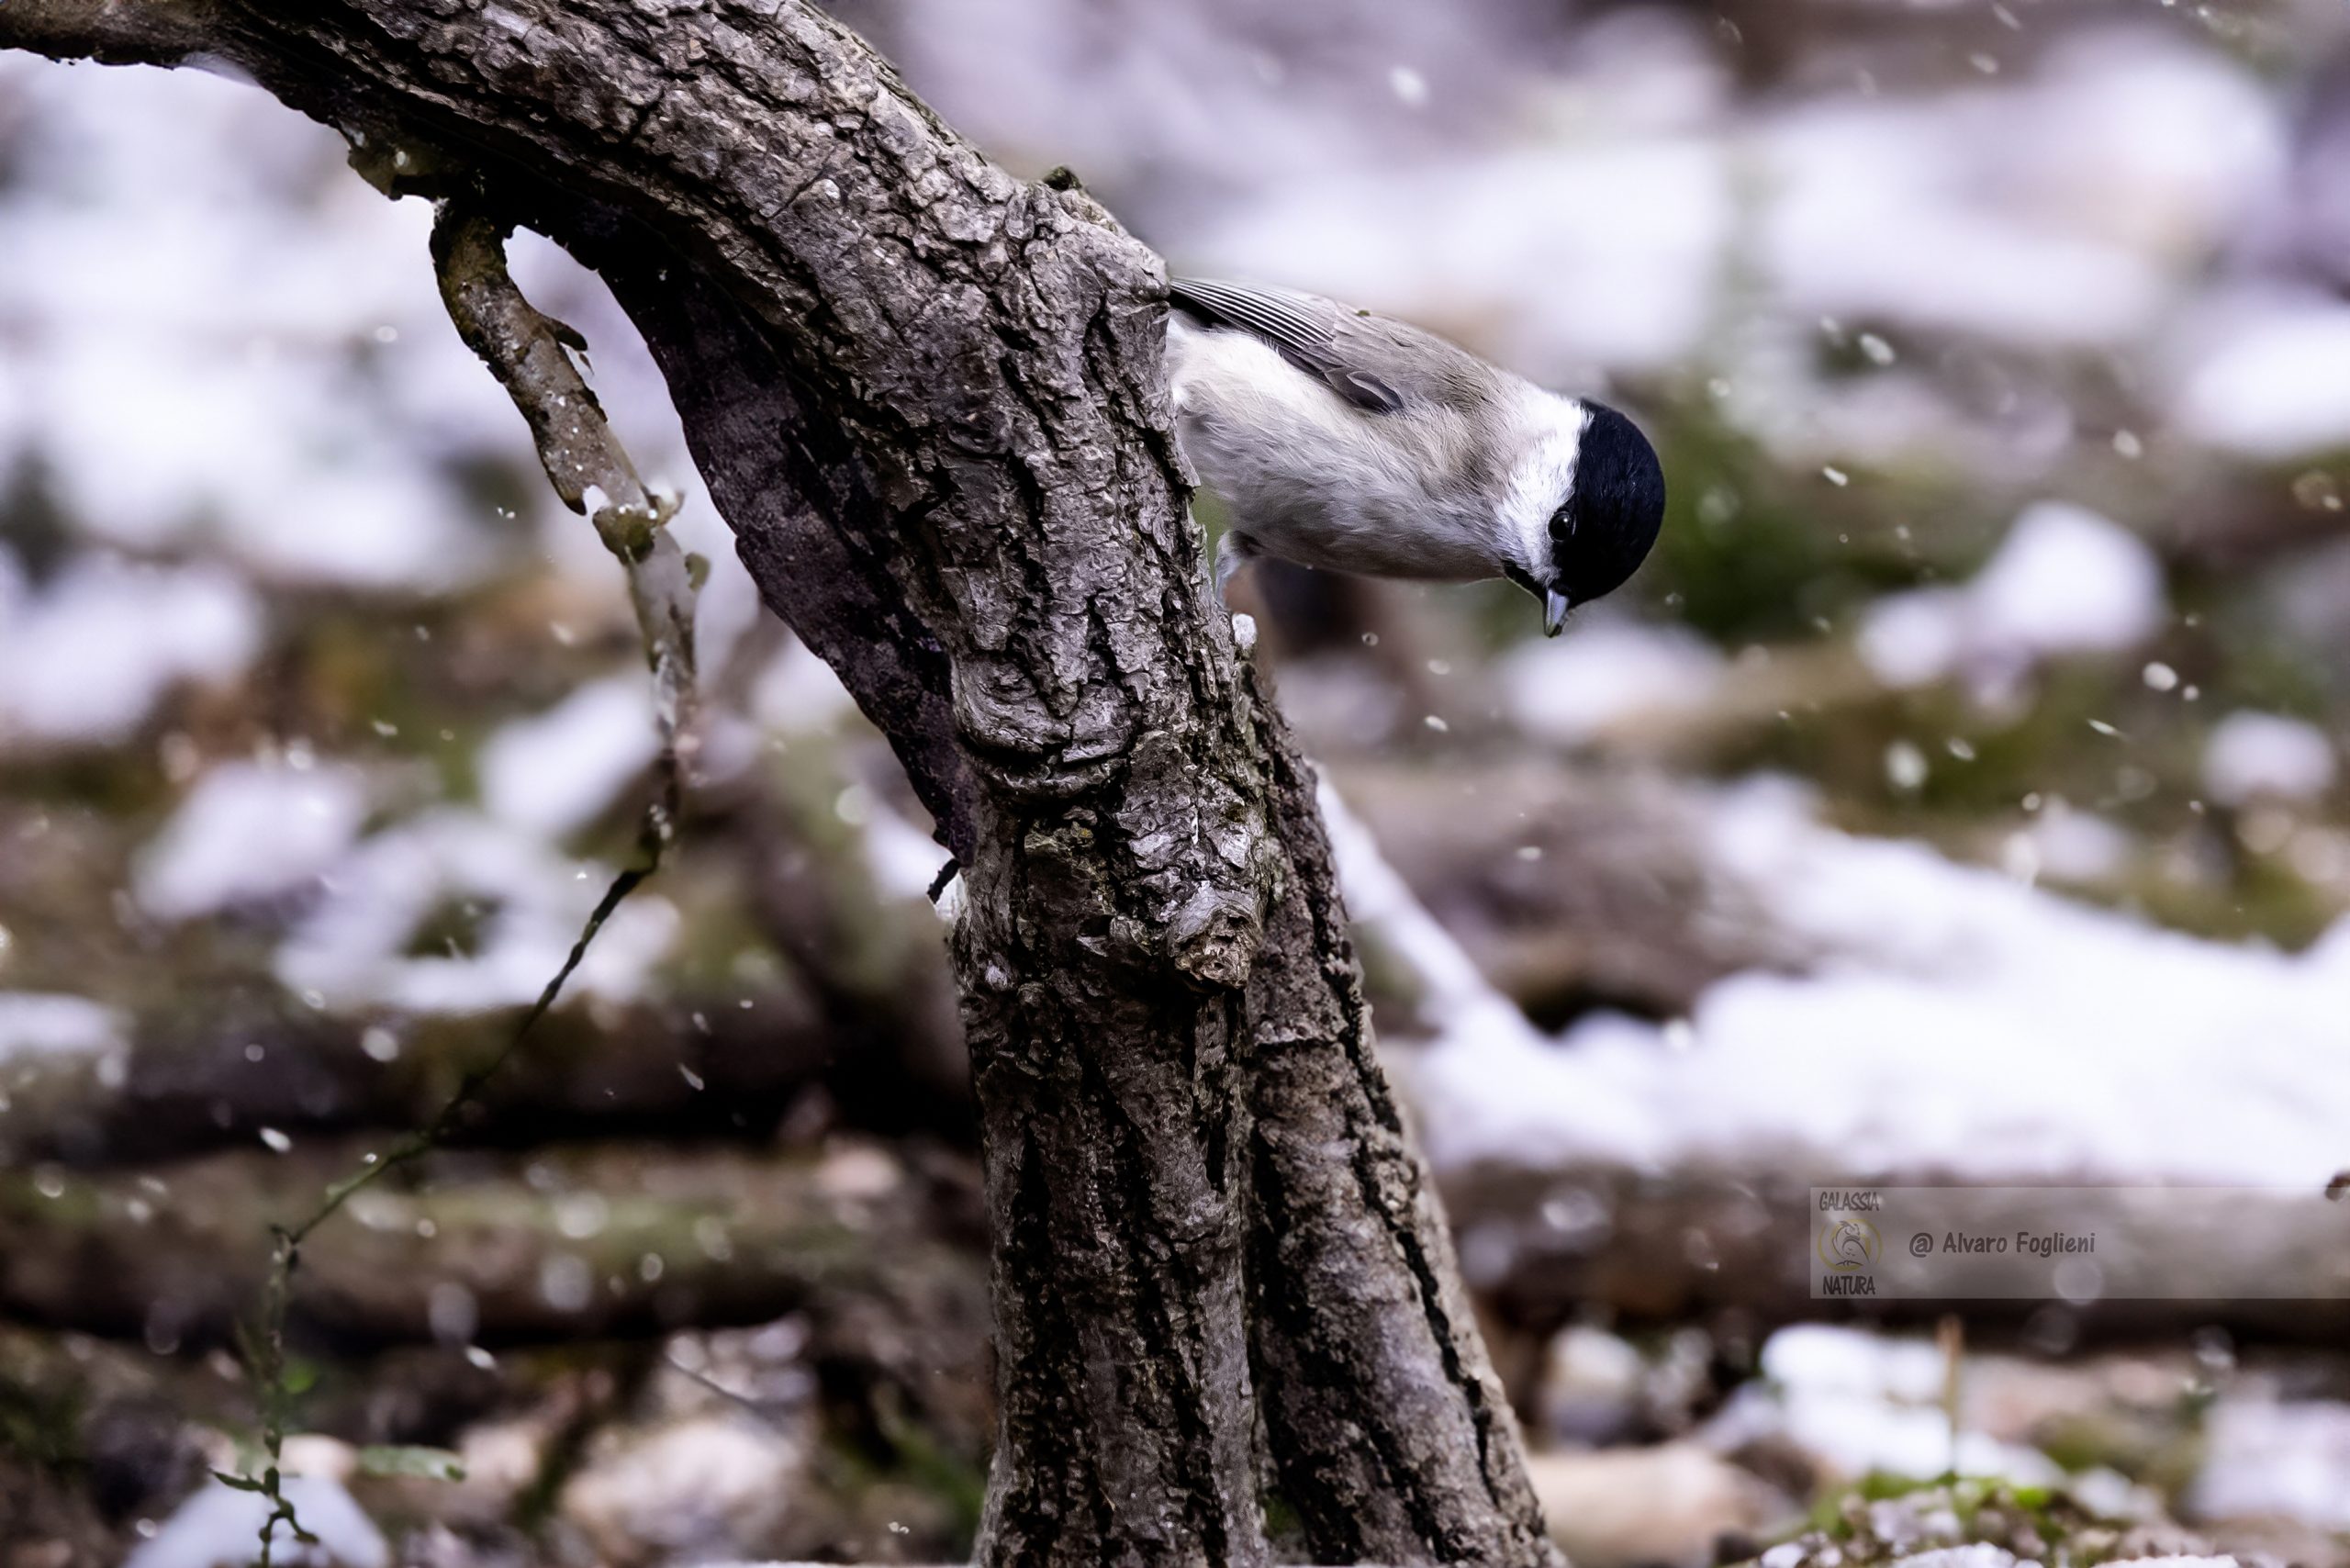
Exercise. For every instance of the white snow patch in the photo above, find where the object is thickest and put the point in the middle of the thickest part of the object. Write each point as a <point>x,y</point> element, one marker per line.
<point>1875,217</point>
<point>1865,1403</point>
<point>2274,1458</point>
<point>1509,247</point>
<point>903,859</point>
<point>686,1489</point>
<point>2254,755</point>
<point>248,832</point>
<point>87,658</point>
<point>2061,207</point>
<point>378,522</point>
<point>2074,845</point>
<point>1975,1554</point>
<point>218,1527</point>
<point>1962,1022</point>
<point>2063,581</point>
<point>352,951</point>
<point>552,773</point>
<point>1455,998</point>
<point>43,1024</point>
<point>798,691</point>
<point>1576,688</point>
<point>2265,375</point>
<point>1822,1358</point>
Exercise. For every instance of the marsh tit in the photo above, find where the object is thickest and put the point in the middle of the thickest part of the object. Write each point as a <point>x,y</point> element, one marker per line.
<point>1342,440</point>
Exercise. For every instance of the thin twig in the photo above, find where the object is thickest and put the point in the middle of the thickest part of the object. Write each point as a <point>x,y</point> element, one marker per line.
<point>530,355</point>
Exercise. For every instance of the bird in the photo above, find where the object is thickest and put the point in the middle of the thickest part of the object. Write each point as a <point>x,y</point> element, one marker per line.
<point>1350,442</point>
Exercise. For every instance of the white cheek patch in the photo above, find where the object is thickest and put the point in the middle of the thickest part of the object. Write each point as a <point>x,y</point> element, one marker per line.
<point>1539,480</point>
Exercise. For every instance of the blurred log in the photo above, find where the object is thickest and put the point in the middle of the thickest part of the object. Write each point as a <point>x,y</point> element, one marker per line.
<point>587,1069</point>
<point>877,972</point>
<point>864,1007</point>
<point>1733,1248</point>
<point>613,1240</point>
<point>1569,889</point>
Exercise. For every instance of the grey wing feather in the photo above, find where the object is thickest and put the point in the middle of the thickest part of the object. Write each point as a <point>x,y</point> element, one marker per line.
<point>1313,333</point>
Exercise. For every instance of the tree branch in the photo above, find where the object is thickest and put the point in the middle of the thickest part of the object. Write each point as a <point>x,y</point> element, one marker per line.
<point>929,399</point>
<point>530,355</point>
<point>111,32</point>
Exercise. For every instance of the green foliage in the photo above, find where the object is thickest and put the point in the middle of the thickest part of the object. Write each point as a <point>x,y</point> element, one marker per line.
<point>1750,552</point>
<point>40,1425</point>
<point>432,1464</point>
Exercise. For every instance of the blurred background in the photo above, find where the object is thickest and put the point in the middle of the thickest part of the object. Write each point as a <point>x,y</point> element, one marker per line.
<point>1956,796</point>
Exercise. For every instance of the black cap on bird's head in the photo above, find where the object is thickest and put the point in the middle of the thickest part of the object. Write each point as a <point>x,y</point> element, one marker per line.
<point>1603,530</point>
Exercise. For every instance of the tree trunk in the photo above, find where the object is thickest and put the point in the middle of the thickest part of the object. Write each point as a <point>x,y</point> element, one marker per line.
<point>928,398</point>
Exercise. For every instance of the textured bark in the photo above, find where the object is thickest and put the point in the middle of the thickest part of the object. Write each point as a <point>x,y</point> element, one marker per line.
<point>1392,1437</point>
<point>928,397</point>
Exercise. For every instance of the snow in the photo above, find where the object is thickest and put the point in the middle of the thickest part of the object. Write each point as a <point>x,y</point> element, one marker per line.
<point>798,691</point>
<point>728,606</point>
<point>903,858</point>
<point>1454,996</point>
<point>351,953</point>
<point>41,1023</point>
<point>2062,207</point>
<point>2277,1458</point>
<point>2064,581</point>
<point>246,832</point>
<point>1822,1358</point>
<point>219,1526</point>
<point>2065,205</point>
<point>86,657</point>
<point>1606,673</point>
<point>688,1487</point>
<point>2265,375</point>
<point>1864,1403</point>
<point>221,382</point>
<point>1879,215</point>
<point>2071,846</point>
<point>2067,579</point>
<point>1959,1022</point>
<point>1513,243</point>
<point>2254,755</point>
<point>553,773</point>
<point>1976,1554</point>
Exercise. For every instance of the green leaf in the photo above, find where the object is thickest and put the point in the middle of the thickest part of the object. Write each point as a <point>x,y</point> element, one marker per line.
<point>434,1464</point>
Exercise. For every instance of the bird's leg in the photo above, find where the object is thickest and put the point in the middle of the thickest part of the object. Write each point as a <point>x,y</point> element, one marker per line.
<point>1234,550</point>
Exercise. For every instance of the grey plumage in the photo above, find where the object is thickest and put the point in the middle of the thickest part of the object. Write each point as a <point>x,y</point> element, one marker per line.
<point>1346,440</point>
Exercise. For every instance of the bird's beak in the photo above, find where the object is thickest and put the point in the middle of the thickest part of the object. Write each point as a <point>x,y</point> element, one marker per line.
<point>1555,606</point>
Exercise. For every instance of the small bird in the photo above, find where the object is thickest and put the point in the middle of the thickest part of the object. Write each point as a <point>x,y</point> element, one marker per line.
<point>1346,440</point>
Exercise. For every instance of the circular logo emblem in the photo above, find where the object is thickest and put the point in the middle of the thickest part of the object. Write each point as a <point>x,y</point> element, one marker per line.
<point>1849,1242</point>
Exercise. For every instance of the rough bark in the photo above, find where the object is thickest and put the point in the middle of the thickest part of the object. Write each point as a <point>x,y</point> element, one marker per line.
<point>928,397</point>
<point>1362,1337</point>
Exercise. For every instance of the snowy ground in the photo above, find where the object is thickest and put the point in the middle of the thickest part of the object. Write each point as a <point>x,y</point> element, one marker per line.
<point>1960,1021</point>
<point>1995,652</point>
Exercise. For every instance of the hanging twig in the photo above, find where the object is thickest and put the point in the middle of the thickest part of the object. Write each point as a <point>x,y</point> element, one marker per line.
<point>530,355</point>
